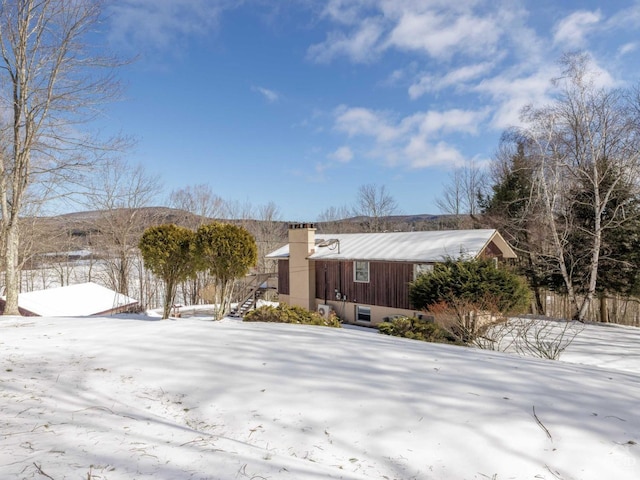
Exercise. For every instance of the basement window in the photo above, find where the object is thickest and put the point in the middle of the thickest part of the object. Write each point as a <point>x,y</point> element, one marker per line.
<point>361,272</point>
<point>363,314</point>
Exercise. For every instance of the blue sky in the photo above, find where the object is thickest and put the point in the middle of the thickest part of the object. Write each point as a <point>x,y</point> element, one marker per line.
<point>299,102</point>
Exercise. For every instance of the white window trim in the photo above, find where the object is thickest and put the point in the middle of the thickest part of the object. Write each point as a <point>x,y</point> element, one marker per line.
<point>355,271</point>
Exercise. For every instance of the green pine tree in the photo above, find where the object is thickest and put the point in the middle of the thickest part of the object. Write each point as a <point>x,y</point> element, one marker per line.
<point>228,252</point>
<point>167,250</point>
<point>511,209</point>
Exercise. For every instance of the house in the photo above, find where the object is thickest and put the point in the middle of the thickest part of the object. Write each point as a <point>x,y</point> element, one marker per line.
<point>79,300</point>
<point>364,277</point>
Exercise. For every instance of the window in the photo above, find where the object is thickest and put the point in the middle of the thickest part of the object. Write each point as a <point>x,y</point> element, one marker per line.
<point>421,268</point>
<point>363,314</point>
<point>361,272</point>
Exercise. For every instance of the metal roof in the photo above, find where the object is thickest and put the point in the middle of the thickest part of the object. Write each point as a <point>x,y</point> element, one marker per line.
<point>416,247</point>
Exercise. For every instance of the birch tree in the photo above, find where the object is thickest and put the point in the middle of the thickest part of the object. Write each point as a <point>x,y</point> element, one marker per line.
<point>51,81</point>
<point>588,138</point>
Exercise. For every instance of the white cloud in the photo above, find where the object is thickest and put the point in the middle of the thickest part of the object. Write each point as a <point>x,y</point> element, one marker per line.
<point>626,18</point>
<point>454,78</point>
<point>512,91</point>
<point>162,23</point>
<point>417,140</point>
<point>627,48</point>
<point>343,154</point>
<point>451,121</point>
<point>423,154</point>
<point>361,46</point>
<point>270,95</point>
<point>442,36</point>
<point>344,11</point>
<point>570,32</point>
<point>362,121</point>
<point>438,28</point>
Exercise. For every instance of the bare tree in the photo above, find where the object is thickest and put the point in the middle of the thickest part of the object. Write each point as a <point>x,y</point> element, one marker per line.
<point>588,140</point>
<point>51,80</point>
<point>270,232</point>
<point>374,204</point>
<point>204,206</point>
<point>239,212</point>
<point>200,201</point>
<point>460,197</point>
<point>529,336</point>
<point>451,201</point>
<point>118,193</point>
<point>336,220</point>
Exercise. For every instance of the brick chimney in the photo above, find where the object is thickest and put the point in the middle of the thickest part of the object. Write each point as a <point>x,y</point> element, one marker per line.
<point>302,271</point>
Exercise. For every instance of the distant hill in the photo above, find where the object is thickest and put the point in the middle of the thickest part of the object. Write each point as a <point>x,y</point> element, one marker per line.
<point>78,230</point>
<point>182,217</point>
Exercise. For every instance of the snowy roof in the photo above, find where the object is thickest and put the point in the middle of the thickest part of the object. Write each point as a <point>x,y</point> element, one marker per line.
<point>73,300</point>
<point>427,247</point>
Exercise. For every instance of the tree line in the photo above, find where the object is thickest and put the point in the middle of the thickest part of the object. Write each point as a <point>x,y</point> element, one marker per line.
<point>564,190</point>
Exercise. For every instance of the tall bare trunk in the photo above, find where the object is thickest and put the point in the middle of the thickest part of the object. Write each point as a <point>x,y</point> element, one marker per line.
<point>12,274</point>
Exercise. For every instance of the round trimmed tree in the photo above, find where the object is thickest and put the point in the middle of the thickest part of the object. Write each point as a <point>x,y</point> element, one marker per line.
<point>167,250</point>
<point>228,252</point>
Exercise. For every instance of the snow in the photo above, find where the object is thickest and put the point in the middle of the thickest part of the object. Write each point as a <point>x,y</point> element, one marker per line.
<point>81,299</point>
<point>424,246</point>
<point>130,396</point>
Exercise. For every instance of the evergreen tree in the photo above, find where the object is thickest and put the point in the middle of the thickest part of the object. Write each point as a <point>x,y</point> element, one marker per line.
<point>511,209</point>
<point>167,250</point>
<point>474,282</point>
<point>227,252</point>
<point>620,224</point>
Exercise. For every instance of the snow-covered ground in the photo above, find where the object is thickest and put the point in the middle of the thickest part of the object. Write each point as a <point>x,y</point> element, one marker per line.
<point>140,398</point>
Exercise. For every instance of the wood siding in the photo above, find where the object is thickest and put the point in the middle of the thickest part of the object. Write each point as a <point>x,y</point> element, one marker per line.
<point>388,284</point>
<point>283,277</point>
<point>492,251</point>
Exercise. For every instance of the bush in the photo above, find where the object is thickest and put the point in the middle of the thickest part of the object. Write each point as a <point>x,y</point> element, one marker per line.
<point>287,314</point>
<point>466,297</point>
<point>416,329</point>
<point>465,321</point>
<point>478,282</point>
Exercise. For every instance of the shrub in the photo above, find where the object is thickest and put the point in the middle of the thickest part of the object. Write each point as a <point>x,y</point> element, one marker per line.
<point>465,297</point>
<point>290,314</point>
<point>416,329</point>
<point>463,320</point>
<point>475,282</point>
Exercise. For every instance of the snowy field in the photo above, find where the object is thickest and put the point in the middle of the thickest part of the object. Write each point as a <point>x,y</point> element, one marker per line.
<point>139,398</point>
